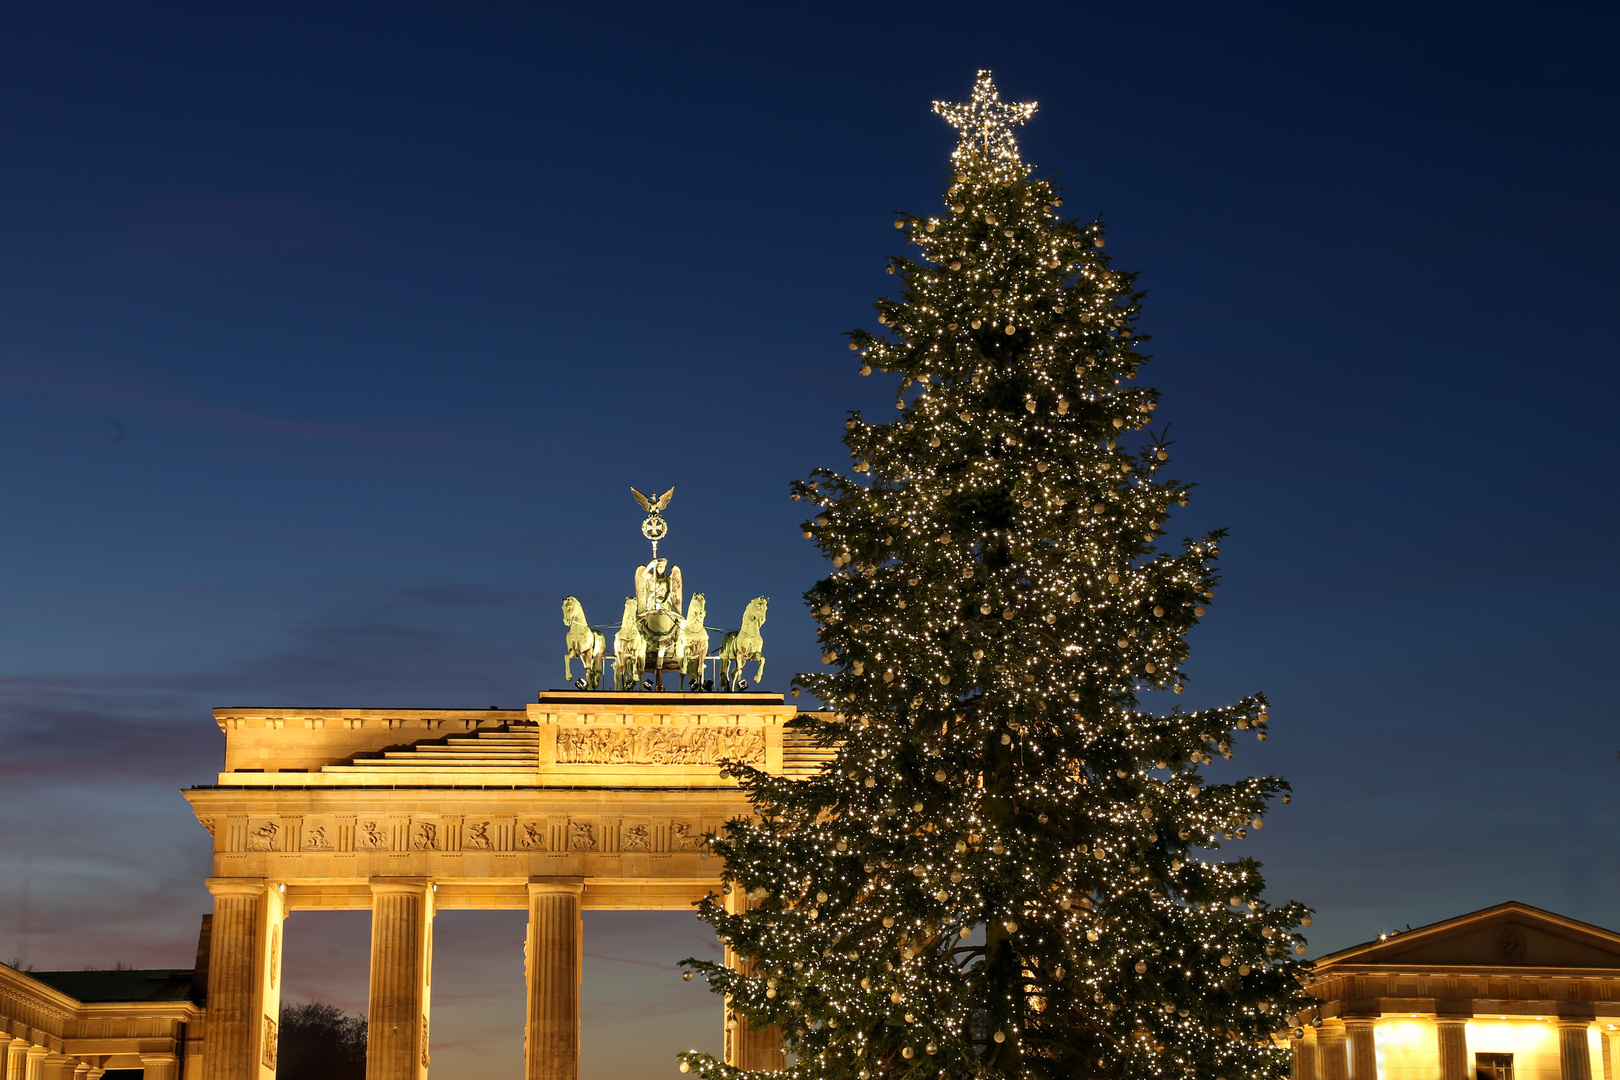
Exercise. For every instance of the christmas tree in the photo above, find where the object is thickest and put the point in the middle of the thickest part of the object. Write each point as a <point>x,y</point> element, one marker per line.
<point>1009,867</point>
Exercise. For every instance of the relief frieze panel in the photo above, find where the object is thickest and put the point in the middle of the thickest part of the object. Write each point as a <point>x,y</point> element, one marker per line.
<point>398,834</point>
<point>263,835</point>
<point>641,745</point>
<point>425,836</point>
<point>373,834</point>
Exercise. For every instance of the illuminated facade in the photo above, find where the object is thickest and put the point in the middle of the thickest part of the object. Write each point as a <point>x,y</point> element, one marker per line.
<point>1508,993</point>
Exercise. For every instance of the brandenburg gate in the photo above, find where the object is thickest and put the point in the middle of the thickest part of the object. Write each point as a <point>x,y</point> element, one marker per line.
<point>583,800</point>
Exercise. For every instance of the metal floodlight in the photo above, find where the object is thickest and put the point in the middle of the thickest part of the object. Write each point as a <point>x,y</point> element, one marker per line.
<point>742,684</point>
<point>580,683</point>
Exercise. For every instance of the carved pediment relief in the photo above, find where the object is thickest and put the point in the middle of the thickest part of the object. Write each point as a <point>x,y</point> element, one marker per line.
<point>1506,936</point>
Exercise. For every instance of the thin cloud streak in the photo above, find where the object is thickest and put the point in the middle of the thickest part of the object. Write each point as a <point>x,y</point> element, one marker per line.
<point>102,391</point>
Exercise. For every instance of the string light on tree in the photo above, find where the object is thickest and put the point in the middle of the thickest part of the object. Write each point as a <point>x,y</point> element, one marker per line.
<point>1010,867</point>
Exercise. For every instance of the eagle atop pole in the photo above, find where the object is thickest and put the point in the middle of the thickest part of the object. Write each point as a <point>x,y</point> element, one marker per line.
<point>654,527</point>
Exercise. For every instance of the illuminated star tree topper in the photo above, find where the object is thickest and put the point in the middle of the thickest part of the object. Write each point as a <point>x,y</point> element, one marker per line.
<point>984,126</point>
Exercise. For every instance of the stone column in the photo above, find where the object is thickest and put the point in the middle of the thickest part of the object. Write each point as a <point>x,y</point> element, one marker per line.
<point>16,1051</point>
<point>746,1047</point>
<point>81,1071</point>
<point>58,1067</point>
<point>1574,1056</point>
<point>156,1067</point>
<point>1305,1056</point>
<point>1331,1062</point>
<point>553,956</point>
<point>35,1068</point>
<point>244,976</point>
<point>401,977</point>
<point>1363,1053</point>
<point>1450,1037</point>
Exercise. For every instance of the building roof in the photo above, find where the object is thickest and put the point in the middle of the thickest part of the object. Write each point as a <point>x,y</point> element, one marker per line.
<point>157,984</point>
<point>1508,935</point>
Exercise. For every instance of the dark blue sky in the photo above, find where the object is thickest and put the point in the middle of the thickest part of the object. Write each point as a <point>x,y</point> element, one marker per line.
<point>332,336</point>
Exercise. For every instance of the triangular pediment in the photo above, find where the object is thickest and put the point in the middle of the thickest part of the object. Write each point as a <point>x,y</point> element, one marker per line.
<point>1511,935</point>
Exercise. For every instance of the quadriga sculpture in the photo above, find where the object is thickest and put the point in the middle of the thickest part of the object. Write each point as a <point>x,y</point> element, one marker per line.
<point>695,645</point>
<point>582,642</point>
<point>740,646</point>
<point>629,649</point>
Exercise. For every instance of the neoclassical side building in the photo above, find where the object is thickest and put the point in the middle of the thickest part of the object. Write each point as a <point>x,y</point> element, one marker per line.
<point>1508,993</point>
<point>83,1025</point>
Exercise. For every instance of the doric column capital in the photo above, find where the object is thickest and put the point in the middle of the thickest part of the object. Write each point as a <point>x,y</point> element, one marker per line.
<point>157,1059</point>
<point>565,886</point>
<point>248,887</point>
<point>381,886</point>
<point>37,1051</point>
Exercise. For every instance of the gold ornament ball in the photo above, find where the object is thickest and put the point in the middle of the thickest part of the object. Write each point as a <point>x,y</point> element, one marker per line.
<point>900,224</point>
<point>687,976</point>
<point>956,264</point>
<point>1158,611</point>
<point>1162,455</point>
<point>1119,421</point>
<point>1098,241</point>
<point>685,1067</point>
<point>1141,967</point>
<point>958,207</point>
<point>1011,329</point>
